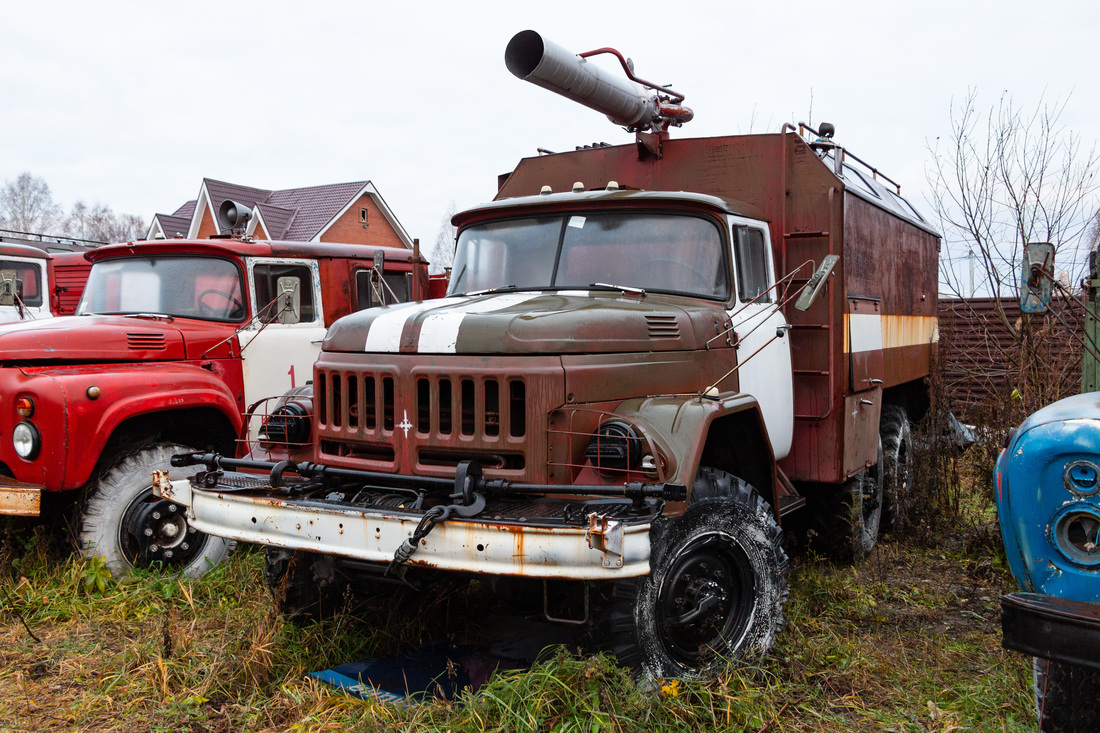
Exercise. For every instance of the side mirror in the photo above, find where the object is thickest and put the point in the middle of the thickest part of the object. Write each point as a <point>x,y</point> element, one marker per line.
<point>812,289</point>
<point>8,285</point>
<point>1036,277</point>
<point>289,305</point>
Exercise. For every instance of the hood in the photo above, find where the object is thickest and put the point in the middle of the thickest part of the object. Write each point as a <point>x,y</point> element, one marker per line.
<point>562,322</point>
<point>90,338</point>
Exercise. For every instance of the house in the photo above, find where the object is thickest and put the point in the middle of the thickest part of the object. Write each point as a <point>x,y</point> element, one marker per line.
<point>342,212</point>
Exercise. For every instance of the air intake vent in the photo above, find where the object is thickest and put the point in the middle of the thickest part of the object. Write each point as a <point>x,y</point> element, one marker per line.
<point>662,326</point>
<point>145,341</point>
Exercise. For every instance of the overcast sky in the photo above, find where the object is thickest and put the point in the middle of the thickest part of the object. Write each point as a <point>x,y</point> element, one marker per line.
<point>131,104</point>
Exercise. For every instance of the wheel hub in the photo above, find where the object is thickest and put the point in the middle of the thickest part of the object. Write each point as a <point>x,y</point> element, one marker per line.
<point>156,531</point>
<point>707,597</point>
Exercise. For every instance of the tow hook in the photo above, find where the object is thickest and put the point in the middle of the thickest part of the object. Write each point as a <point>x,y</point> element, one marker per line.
<point>606,535</point>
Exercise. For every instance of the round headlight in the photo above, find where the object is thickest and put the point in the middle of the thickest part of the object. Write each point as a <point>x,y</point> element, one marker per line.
<point>615,448</point>
<point>26,441</point>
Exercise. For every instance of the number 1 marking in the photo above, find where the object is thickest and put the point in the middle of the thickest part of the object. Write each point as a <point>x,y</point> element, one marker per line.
<point>291,373</point>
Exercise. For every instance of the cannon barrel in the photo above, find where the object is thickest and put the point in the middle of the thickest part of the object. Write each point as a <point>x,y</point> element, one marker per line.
<point>532,58</point>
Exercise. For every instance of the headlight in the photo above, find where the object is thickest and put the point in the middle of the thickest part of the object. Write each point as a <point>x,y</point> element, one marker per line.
<point>1075,531</point>
<point>26,440</point>
<point>289,425</point>
<point>615,448</point>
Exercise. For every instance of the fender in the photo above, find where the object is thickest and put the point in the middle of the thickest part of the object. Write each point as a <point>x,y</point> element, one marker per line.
<point>126,391</point>
<point>697,431</point>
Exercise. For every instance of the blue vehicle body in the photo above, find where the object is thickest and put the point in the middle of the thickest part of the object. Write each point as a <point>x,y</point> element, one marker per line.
<point>1048,501</point>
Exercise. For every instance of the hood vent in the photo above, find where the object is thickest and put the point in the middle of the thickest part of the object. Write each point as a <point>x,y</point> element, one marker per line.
<point>662,326</point>
<point>145,341</point>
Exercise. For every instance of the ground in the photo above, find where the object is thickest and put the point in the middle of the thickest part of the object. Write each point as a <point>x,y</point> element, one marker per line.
<point>907,640</point>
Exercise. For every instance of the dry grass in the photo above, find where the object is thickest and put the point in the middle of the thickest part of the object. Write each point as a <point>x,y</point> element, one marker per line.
<point>908,640</point>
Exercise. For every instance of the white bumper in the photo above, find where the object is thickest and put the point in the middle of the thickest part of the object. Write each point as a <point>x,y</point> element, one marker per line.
<point>475,546</point>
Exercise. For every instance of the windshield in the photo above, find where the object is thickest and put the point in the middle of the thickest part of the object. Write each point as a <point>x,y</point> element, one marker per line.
<point>659,252</point>
<point>28,279</point>
<point>188,287</point>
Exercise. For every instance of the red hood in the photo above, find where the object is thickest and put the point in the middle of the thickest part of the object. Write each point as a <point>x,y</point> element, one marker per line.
<point>91,338</point>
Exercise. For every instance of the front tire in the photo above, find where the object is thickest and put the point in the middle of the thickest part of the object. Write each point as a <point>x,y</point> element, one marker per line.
<point>716,589</point>
<point>1066,695</point>
<point>125,524</point>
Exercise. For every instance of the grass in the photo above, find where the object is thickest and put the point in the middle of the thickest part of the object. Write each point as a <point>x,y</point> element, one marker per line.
<point>907,640</point>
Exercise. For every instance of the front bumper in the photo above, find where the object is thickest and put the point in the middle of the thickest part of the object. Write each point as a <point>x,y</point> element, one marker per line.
<point>1052,628</point>
<point>20,499</point>
<point>603,549</point>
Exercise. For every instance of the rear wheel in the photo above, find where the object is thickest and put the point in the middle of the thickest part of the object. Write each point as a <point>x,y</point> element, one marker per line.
<point>716,588</point>
<point>897,467</point>
<point>846,517</point>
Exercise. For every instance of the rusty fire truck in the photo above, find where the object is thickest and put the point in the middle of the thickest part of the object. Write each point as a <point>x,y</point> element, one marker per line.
<point>618,401</point>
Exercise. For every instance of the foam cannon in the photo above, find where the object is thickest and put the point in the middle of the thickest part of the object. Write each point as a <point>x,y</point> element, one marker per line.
<point>636,104</point>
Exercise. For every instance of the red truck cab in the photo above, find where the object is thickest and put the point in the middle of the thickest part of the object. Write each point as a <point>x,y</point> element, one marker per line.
<point>171,344</point>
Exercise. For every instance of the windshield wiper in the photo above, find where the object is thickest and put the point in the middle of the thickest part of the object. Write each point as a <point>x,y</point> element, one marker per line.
<point>487,291</point>
<point>151,316</point>
<point>622,288</point>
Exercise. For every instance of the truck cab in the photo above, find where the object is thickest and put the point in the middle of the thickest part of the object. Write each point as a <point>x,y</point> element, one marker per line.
<point>172,344</point>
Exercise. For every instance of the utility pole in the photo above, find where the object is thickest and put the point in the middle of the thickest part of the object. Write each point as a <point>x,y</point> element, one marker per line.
<point>1090,368</point>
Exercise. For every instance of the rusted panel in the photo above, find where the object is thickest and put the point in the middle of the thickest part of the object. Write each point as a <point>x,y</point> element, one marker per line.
<point>861,414</point>
<point>459,545</point>
<point>19,499</point>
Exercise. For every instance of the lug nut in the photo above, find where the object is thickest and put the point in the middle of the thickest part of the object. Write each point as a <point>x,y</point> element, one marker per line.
<point>185,547</point>
<point>168,554</point>
<point>154,548</point>
<point>148,532</point>
<point>156,515</point>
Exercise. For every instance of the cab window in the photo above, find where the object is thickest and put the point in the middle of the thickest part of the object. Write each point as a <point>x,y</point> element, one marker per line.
<point>369,296</point>
<point>266,279</point>
<point>750,253</point>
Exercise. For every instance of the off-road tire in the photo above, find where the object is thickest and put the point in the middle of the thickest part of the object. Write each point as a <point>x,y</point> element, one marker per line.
<point>1066,697</point>
<point>122,522</point>
<point>897,467</point>
<point>725,556</point>
<point>846,518</point>
<point>303,585</point>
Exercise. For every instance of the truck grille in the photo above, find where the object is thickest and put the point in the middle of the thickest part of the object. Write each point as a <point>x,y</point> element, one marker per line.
<point>423,421</point>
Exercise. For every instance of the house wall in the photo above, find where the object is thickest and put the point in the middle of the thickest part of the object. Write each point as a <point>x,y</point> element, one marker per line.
<point>207,227</point>
<point>348,228</point>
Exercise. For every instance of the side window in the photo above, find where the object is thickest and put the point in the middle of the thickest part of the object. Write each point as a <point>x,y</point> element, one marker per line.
<point>266,278</point>
<point>369,297</point>
<point>751,256</point>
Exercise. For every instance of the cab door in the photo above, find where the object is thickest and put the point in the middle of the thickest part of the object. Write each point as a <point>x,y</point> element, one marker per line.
<point>278,348</point>
<point>763,348</point>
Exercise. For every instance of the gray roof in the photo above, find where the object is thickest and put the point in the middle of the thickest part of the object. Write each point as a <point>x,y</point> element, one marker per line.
<point>292,214</point>
<point>174,225</point>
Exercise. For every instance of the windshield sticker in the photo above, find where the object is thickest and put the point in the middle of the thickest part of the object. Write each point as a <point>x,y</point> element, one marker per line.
<point>577,222</point>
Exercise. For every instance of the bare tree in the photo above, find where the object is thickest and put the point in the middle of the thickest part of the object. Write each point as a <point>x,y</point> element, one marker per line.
<point>99,223</point>
<point>1018,178</point>
<point>442,254</point>
<point>1004,179</point>
<point>26,205</point>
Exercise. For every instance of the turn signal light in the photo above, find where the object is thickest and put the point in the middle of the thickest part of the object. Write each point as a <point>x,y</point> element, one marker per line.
<point>24,406</point>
